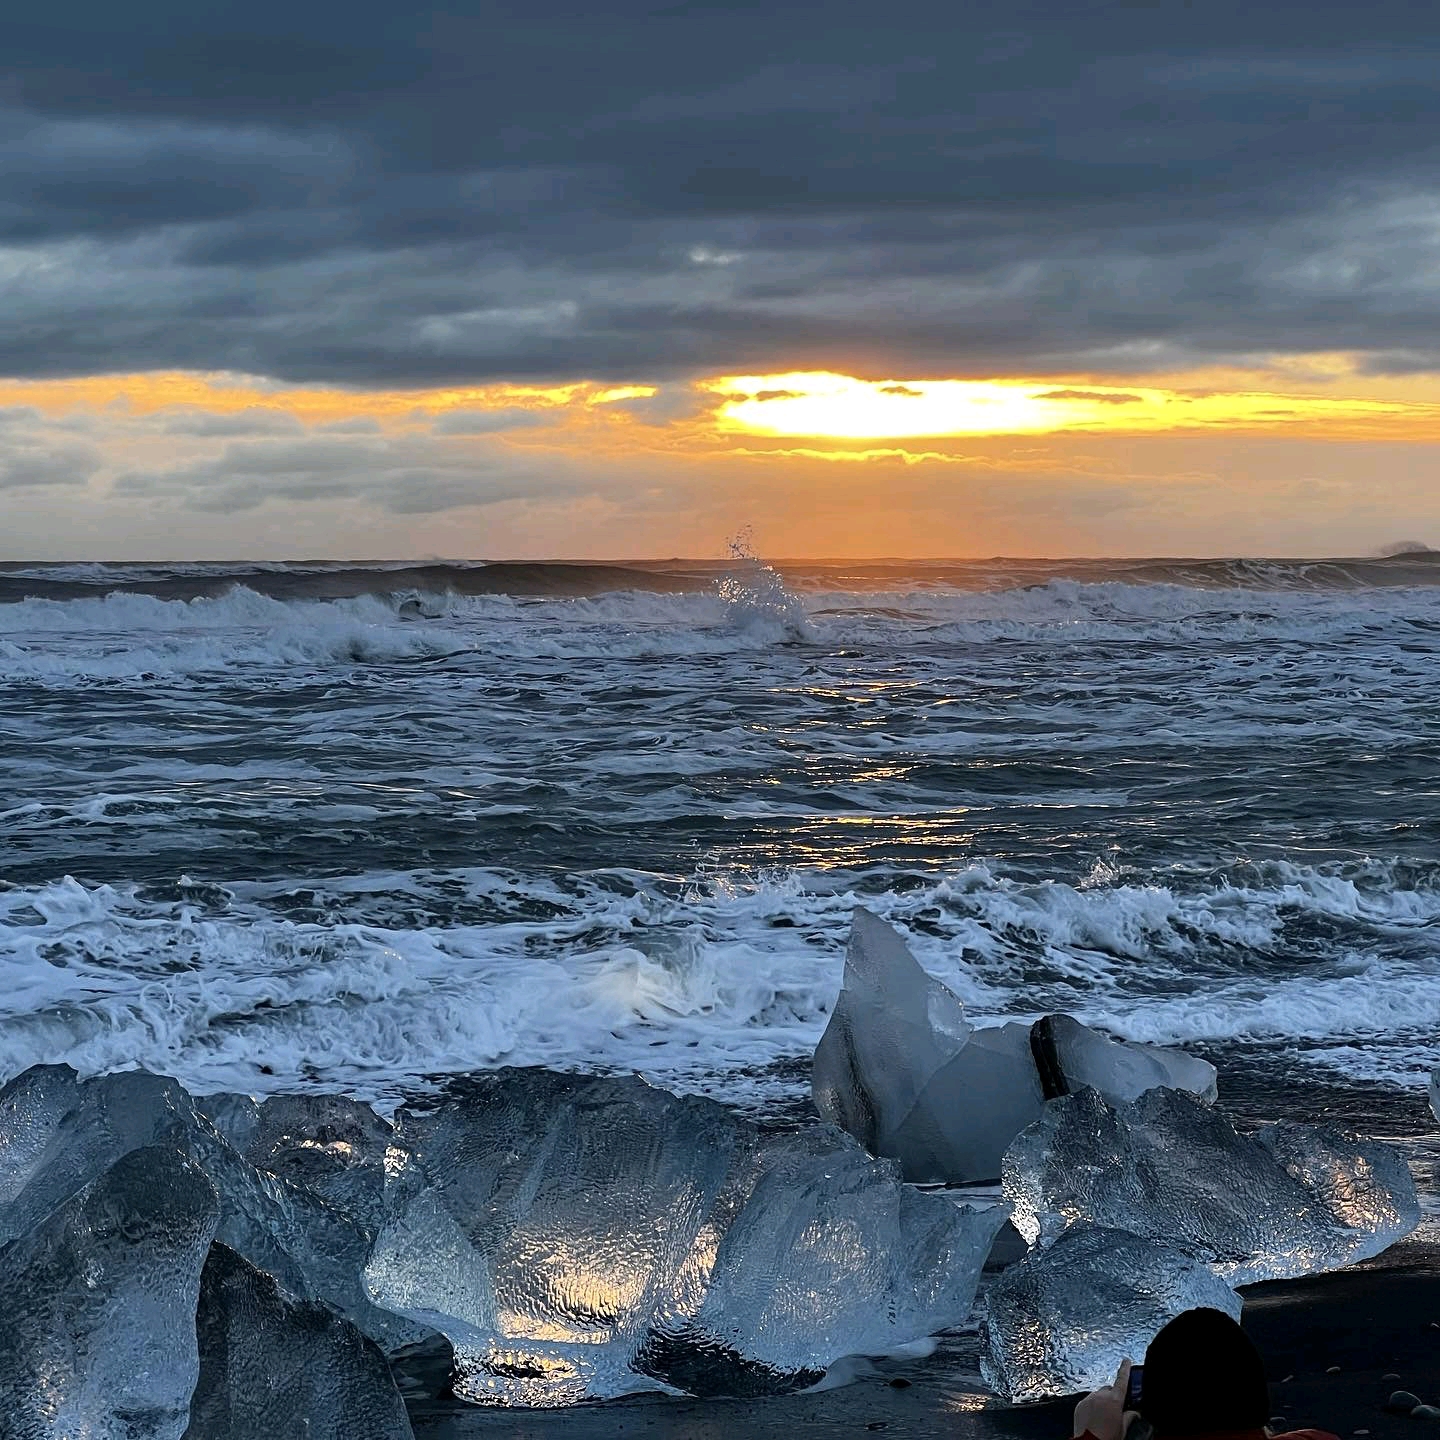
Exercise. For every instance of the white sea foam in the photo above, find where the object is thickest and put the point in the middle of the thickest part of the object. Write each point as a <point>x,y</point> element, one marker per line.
<point>129,635</point>
<point>700,990</point>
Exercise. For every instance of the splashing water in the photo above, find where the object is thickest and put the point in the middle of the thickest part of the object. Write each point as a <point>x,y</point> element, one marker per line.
<point>756,598</point>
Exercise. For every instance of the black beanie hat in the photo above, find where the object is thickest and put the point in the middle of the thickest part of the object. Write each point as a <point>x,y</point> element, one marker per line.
<point>1203,1376</point>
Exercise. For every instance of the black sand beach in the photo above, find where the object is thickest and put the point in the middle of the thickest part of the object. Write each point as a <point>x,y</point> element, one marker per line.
<point>1336,1346</point>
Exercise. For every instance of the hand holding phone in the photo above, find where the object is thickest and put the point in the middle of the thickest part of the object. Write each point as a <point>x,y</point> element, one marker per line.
<point>1132,1388</point>
<point>1105,1412</point>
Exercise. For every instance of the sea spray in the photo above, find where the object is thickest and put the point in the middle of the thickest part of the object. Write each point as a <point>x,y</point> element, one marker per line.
<point>757,599</point>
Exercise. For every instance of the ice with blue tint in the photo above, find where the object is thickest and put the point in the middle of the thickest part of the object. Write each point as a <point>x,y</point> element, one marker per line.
<point>577,1238</point>
<point>98,1300</point>
<point>273,1367</point>
<point>1062,1319</point>
<point>1290,1200</point>
<point>58,1132</point>
<point>901,1068</point>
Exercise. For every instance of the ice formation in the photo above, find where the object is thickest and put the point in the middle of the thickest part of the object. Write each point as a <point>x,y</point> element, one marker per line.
<point>1290,1200</point>
<point>1061,1320</point>
<point>272,1367</point>
<point>98,1300</point>
<point>901,1068</point>
<point>332,1146</point>
<point>58,1132</point>
<point>1435,1092</point>
<point>578,1238</point>
<point>1120,1071</point>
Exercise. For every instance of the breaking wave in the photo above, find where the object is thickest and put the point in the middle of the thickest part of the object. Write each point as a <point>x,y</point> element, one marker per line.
<point>126,634</point>
<point>727,991</point>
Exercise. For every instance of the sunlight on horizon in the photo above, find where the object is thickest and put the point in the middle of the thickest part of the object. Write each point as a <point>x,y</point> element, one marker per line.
<point>822,404</point>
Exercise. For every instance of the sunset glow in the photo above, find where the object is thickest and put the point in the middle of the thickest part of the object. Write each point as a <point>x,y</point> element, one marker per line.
<point>820,404</point>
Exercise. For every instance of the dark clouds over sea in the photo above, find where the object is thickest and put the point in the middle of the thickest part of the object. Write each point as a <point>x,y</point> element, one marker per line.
<point>370,194</point>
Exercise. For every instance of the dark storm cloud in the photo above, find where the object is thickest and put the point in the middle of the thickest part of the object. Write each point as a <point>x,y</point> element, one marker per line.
<point>373,195</point>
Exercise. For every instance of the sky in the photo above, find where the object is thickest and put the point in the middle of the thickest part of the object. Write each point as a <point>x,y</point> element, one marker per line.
<point>621,280</point>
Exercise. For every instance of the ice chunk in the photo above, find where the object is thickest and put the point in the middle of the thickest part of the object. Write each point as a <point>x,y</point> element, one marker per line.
<point>820,1261</point>
<point>314,1250</point>
<point>327,1144</point>
<point>1063,1319</point>
<point>892,1020</point>
<point>1072,1056</point>
<point>578,1238</point>
<point>1435,1092</point>
<point>58,1132</point>
<point>1291,1200</point>
<point>98,1302</point>
<point>234,1116</point>
<point>902,1070</point>
<point>330,1145</point>
<point>272,1368</point>
<point>970,1109</point>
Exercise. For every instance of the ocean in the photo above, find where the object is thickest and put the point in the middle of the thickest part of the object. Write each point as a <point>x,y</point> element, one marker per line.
<point>357,827</point>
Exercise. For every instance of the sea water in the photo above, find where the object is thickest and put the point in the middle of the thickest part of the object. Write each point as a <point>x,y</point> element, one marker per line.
<point>356,827</point>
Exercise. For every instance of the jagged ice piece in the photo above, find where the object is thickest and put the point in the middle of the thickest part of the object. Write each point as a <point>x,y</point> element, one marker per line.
<point>1119,1070</point>
<point>327,1144</point>
<point>892,1019</point>
<point>58,1132</point>
<point>1062,1319</point>
<point>902,1070</point>
<point>272,1368</point>
<point>1293,1200</point>
<point>98,1300</point>
<point>578,1238</point>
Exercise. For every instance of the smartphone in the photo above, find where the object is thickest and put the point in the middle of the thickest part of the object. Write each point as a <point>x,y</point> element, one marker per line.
<point>1132,1390</point>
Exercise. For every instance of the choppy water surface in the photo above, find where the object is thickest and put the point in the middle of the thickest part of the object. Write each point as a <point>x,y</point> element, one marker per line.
<point>263,828</point>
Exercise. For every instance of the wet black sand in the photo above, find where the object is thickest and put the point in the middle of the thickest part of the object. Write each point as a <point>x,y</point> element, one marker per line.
<point>1375,1320</point>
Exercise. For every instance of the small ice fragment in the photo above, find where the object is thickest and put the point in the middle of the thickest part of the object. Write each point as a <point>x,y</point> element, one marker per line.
<point>1293,1200</point>
<point>1435,1092</point>
<point>1119,1070</point>
<point>273,1367</point>
<point>1062,1319</point>
<point>98,1300</point>
<point>328,1144</point>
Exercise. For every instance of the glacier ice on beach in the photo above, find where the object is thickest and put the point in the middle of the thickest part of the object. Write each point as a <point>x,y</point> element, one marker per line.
<point>1062,1319</point>
<point>901,1068</point>
<point>98,1301</point>
<point>577,1238</point>
<point>1289,1200</point>
<point>328,1145</point>
<point>1072,1056</point>
<point>273,1367</point>
<point>59,1132</point>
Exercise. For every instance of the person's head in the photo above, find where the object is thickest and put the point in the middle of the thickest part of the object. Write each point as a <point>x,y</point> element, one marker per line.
<point>1203,1376</point>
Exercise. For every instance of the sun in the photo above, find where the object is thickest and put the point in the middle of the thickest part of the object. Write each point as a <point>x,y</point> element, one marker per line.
<point>819,403</point>
<point>825,405</point>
